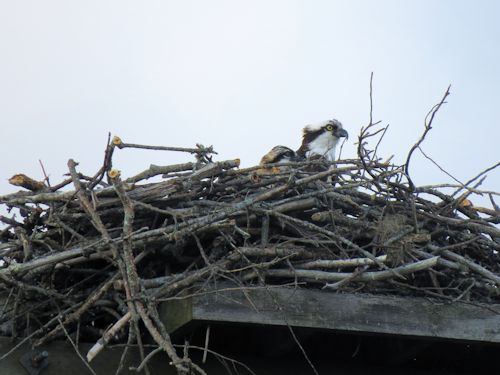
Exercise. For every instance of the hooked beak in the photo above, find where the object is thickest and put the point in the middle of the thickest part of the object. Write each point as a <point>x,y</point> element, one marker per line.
<point>341,133</point>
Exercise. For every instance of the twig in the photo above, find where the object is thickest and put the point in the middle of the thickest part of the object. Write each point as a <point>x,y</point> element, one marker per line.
<point>353,262</point>
<point>476,177</point>
<point>205,351</point>
<point>427,127</point>
<point>440,168</point>
<point>199,150</point>
<point>46,177</point>
<point>108,335</point>
<point>76,349</point>
<point>323,276</point>
<point>146,359</point>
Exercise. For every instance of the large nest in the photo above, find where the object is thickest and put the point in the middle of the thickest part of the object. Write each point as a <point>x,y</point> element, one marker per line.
<point>102,254</point>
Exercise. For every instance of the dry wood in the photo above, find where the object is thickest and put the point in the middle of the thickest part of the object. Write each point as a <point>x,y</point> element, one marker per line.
<point>107,253</point>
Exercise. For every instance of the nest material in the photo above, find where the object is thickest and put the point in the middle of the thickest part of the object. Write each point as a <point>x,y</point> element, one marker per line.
<point>104,253</point>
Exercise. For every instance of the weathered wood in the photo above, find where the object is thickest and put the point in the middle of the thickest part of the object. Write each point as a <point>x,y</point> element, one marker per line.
<point>176,313</point>
<point>205,222</point>
<point>361,313</point>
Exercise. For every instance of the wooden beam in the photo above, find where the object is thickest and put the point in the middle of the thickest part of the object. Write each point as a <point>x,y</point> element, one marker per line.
<point>362,313</point>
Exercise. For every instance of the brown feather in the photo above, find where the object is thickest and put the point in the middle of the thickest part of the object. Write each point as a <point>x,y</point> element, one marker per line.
<point>307,137</point>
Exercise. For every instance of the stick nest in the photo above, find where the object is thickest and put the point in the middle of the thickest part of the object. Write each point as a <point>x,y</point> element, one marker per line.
<point>106,251</point>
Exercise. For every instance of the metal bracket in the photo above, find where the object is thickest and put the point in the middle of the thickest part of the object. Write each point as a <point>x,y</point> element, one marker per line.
<point>35,361</point>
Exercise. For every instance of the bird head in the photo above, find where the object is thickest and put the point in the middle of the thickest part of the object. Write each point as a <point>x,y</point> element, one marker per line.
<point>279,154</point>
<point>336,129</point>
<point>321,139</point>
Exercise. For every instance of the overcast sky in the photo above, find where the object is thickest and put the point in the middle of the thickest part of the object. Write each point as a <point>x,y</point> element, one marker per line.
<point>244,76</point>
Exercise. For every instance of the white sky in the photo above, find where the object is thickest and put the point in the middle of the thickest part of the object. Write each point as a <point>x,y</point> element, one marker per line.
<point>245,76</point>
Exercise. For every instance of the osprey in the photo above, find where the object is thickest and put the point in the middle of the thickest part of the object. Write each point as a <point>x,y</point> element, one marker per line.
<point>321,139</point>
<point>278,154</point>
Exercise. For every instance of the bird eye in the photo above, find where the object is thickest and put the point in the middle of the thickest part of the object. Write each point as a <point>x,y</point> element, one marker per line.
<point>329,127</point>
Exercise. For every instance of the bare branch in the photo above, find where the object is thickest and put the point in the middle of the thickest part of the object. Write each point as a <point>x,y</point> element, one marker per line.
<point>427,127</point>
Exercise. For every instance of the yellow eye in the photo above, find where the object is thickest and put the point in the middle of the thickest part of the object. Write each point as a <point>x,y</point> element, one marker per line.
<point>329,127</point>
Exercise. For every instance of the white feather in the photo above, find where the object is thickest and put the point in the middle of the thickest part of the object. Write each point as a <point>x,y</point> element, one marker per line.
<point>323,145</point>
<point>314,127</point>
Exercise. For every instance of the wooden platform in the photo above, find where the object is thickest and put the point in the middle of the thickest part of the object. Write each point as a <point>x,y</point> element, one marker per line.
<point>356,313</point>
<point>351,334</point>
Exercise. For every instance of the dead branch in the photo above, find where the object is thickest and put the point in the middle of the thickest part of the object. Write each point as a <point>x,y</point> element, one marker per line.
<point>108,253</point>
<point>427,127</point>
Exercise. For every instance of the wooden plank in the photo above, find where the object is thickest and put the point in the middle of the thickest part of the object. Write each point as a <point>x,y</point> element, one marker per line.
<point>362,313</point>
<point>176,313</point>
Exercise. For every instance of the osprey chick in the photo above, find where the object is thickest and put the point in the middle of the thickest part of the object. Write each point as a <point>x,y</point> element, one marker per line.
<point>278,154</point>
<point>321,139</point>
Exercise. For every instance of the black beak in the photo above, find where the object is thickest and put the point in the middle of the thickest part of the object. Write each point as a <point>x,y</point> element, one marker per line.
<point>341,133</point>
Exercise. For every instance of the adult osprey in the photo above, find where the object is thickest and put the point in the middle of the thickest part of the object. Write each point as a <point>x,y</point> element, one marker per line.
<point>321,139</point>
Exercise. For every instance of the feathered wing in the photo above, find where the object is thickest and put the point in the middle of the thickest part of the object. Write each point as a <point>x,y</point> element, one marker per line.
<point>309,134</point>
<point>301,152</point>
<point>278,154</point>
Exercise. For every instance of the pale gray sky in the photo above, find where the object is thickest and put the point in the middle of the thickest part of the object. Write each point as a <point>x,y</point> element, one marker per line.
<point>245,76</point>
